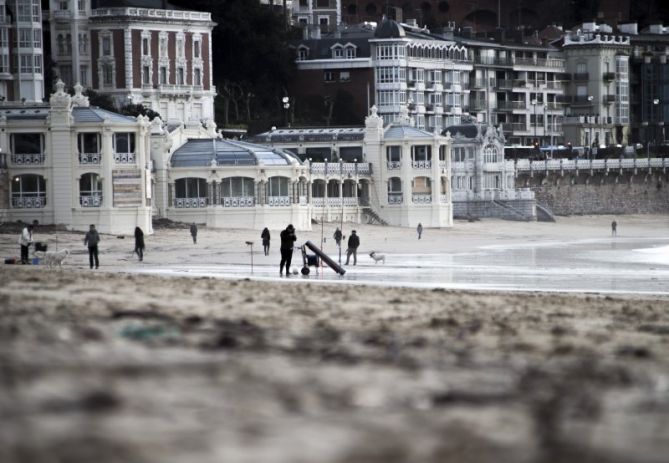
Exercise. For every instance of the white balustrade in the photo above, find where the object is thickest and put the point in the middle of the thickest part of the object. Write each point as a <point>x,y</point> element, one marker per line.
<point>90,158</point>
<point>238,201</point>
<point>190,203</point>
<point>421,198</point>
<point>278,201</point>
<point>29,202</point>
<point>394,198</point>
<point>124,158</point>
<point>303,201</point>
<point>27,159</point>
<point>392,165</point>
<point>94,200</point>
<point>422,164</point>
<point>443,199</point>
<point>318,202</point>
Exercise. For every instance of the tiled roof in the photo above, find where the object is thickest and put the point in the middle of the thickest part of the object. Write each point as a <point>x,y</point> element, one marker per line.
<point>201,153</point>
<point>399,132</point>
<point>27,112</point>
<point>95,114</point>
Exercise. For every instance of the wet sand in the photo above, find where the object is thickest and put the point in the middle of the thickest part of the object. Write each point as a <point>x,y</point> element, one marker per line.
<point>113,366</point>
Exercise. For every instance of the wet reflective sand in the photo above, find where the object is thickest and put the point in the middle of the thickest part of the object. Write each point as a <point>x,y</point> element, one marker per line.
<point>615,265</point>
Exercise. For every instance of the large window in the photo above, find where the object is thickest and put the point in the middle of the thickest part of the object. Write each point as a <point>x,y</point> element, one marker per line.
<point>27,148</point>
<point>89,145</point>
<point>491,154</point>
<point>90,190</point>
<point>394,190</point>
<point>277,191</point>
<point>237,186</point>
<point>28,191</point>
<point>124,148</point>
<point>190,192</point>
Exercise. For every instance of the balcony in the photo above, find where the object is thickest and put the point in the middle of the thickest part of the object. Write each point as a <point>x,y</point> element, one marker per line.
<point>238,201</point>
<point>504,84</point>
<point>27,159</point>
<point>477,105</point>
<point>90,200</point>
<point>37,201</point>
<point>90,158</point>
<point>608,76</point>
<point>581,101</point>
<point>411,84</point>
<point>519,83</point>
<point>581,76</point>
<point>421,198</point>
<point>395,198</point>
<point>518,126</point>
<point>62,15</point>
<point>124,158</point>
<point>429,107</point>
<point>553,106</point>
<point>190,203</point>
<point>421,164</point>
<point>278,201</point>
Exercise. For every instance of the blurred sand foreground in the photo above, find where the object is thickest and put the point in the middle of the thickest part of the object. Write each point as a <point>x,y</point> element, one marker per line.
<point>110,367</point>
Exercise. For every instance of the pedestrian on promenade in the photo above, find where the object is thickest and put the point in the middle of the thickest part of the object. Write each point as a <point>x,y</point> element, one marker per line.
<point>265,240</point>
<point>353,244</point>
<point>91,240</point>
<point>139,243</point>
<point>419,229</point>
<point>25,240</point>
<point>288,239</point>
<point>614,228</point>
<point>337,237</point>
<point>193,232</point>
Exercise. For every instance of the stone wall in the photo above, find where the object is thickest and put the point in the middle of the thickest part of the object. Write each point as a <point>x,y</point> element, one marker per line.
<point>626,193</point>
<point>508,210</point>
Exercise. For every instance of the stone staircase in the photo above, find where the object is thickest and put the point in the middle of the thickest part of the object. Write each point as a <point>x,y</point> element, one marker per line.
<point>511,212</point>
<point>544,214</point>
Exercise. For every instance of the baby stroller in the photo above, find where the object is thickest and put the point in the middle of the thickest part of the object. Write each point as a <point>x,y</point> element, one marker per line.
<point>308,260</point>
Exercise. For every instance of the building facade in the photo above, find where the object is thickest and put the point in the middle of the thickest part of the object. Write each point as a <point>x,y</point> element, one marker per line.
<point>597,62</point>
<point>21,58</point>
<point>159,58</point>
<point>68,163</point>
<point>323,14</point>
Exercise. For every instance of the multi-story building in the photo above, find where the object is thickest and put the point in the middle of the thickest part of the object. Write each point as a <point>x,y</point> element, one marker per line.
<point>597,62</point>
<point>326,14</point>
<point>21,59</point>
<point>391,66</point>
<point>516,82</point>
<point>160,58</point>
<point>649,89</point>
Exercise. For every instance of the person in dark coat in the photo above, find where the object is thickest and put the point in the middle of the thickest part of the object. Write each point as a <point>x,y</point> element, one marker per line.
<point>419,229</point>
<point>193,232</point>
<point>337,237</point>
<point>139,243</point>
<point>91,240</point>
<point>353,244</point>
<point>614,228</point>
<point>265,240</point>
<point>288,239</point>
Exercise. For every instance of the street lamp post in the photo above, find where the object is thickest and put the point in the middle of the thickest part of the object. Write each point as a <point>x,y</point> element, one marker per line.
<point>286,106</point>
<point>656,102</point>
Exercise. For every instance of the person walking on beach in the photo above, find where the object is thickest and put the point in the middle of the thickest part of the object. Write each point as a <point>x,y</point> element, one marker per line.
<point>91,240</point>
<point>288,239</point>
<point>353,244</point>
<point>25,240</point>
<point>139,243</point>
<point>193,232</point>
<point>419,229</point>
<point>337,237</point>
<point>265,240</point>
<point>614,228</point>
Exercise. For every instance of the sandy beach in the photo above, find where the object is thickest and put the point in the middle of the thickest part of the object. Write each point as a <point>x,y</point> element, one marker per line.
<point>115,366</point>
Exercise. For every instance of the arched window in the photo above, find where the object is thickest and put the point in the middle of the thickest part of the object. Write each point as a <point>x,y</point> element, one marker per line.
<point>318,189</point>
<point>90,190</point>
<point>333,189</point>
<point>490,154</point>
<point>28,191</point>
<point>277,191</point>
<point>238,192</point>
<point>190,192</point>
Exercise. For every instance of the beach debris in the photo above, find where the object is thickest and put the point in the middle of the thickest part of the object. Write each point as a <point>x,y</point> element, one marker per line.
<point>139,332</point>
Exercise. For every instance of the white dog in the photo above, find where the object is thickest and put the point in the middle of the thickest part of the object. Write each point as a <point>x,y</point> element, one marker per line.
<point>377,257</point>
<point>54,258</point>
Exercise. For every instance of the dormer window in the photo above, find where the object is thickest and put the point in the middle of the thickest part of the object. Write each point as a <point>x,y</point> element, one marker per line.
<point>302,53</point>
<point>350,52</point>
<point>337,52</point>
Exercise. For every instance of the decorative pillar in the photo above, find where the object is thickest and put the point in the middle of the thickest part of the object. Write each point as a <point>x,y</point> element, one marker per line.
<point>170,194</point>
<point>107,167</point>
<point>406,171</point>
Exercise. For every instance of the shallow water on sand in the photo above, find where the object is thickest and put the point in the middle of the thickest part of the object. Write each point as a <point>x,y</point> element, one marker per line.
<point>616,265</point>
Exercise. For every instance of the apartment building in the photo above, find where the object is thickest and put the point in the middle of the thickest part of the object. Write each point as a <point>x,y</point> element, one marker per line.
<point>21,58</point>
<point>649,83</point>
<point>597,63</point>
<point>157,57</point>
<point>516,82</point>
<point>326,14</point>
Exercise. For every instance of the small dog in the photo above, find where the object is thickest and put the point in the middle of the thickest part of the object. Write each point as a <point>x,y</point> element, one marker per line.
<point>377,257</point>
<point>54,258</point>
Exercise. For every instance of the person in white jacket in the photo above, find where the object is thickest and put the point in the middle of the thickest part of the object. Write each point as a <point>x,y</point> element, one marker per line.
<point>25,240</point>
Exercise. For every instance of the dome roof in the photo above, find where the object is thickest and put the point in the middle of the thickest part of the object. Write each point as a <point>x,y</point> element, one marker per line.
<point>389,29</point>
<point>400,132</point>
<point>220,152</point>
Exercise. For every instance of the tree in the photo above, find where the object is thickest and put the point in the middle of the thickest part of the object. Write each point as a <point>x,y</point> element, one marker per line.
<point>252,60</point>
<point>135,110</point>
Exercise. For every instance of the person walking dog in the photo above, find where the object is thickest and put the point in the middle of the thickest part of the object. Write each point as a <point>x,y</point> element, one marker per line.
<point>353,244</point>
<point>25,240</point>
<point>91,240</point>
<point>288,239</point>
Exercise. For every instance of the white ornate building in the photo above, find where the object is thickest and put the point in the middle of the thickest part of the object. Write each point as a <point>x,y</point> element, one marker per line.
<point>160,58</point>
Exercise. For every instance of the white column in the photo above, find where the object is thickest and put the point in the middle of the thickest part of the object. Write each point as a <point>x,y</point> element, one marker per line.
<point>107,168</point>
